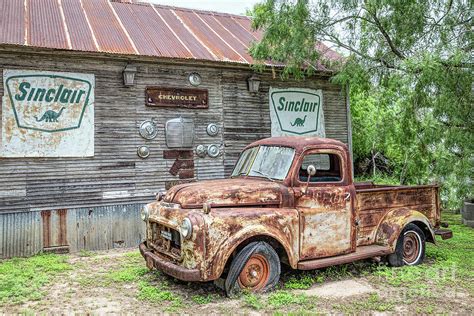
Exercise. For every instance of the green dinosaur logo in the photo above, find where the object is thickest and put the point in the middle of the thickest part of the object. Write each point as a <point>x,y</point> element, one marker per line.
<point>50,116</point>
<point>299,121</point>
<point>295,111</point>
<point>48,102</point>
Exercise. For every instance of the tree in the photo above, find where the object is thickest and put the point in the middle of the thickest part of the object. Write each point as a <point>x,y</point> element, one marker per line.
<point>410,72</point>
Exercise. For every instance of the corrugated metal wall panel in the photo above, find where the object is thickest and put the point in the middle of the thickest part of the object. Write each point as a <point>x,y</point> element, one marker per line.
<point>105,227</point>
<point>20,234</point>
<point>99,228</point>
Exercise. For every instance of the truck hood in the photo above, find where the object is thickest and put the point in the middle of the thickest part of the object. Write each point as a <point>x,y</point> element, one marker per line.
<point>227,193</point>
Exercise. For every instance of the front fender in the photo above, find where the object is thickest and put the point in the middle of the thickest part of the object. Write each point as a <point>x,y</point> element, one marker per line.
<point>395,221</point>
<point>225,250</point>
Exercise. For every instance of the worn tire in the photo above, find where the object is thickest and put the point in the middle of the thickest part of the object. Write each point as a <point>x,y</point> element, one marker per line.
<point>255,268</point>
<point>410,249</point>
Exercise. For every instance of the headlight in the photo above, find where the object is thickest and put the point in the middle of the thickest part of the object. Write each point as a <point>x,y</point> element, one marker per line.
<point>145,212</point>
<point>186,228</point>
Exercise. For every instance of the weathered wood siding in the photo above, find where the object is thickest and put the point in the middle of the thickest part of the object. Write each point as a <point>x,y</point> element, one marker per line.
<point>116,175</point>
<point>247,117</point>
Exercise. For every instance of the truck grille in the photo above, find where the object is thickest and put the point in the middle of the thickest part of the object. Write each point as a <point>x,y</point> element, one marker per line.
<point>165,240</point>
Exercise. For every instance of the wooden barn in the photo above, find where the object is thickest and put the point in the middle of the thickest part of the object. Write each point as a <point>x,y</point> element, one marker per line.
<point>106,102</point>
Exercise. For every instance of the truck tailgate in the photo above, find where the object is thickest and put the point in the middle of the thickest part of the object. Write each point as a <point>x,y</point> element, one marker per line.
<point>374,202</point>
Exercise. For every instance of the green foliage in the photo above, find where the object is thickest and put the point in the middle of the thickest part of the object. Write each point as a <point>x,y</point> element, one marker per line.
<point>410,75</point>
<point>372,303</point>
<point>253,301</point>
<point>284,298</point>
<point>303,281</point>
<point>154,293</point>
<point>22,279</point>
<point>129,273</point>
<point>202,299</point>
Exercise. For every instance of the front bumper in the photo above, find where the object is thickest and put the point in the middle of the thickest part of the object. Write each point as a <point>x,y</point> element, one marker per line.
<point>155,261</point>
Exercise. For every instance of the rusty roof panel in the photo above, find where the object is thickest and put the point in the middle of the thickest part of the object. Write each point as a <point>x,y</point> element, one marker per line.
<point>149,32</point>
<point>236,29</point>
<point>196,48</point>
<point>46,27</point>
<point>136,29</point>
<point>227,36</point>
<point>206,35</point>
<point>77,25</point>
<point>12,22</point>
<point>131,27</point>
<point>110,35</point>
<point>247,24</point>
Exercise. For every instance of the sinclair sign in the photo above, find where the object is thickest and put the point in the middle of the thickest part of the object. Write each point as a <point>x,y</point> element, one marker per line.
<point>47,114</point>
<point>296,111</point>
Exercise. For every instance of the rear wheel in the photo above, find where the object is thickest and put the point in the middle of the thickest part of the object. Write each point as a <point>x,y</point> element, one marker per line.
<point>410,249</point>
<point>255,268</point>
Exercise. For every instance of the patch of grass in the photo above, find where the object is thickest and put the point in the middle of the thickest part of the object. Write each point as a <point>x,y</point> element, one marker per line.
<point>253,301</point>
<point>134,255</point>
<point>284,298</point>
<point>21,279</point>
<point>202,299</point>
<point>303,281</point>
<point>372,303</point>
<point>148,292</point>
<point>130,273</point>
<point>175,306</point>
<point>86,253</point>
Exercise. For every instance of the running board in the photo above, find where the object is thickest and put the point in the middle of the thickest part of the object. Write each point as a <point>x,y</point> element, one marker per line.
<point>362,252</point>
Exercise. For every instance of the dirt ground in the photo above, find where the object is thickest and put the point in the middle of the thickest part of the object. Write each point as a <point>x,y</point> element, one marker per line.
<point>118,282</point>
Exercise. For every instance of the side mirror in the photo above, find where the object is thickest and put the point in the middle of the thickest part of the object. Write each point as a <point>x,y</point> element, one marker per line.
<point>311,170</point>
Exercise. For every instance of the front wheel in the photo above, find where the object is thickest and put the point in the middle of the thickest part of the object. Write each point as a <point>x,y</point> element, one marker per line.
<point>410,249</point>
<point>255,268</point>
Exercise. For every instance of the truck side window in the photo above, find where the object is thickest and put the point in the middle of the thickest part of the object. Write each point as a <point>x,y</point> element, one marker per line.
<point>328,168</point>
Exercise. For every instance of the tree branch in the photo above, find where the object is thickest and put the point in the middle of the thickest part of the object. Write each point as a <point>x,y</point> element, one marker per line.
<point>336,41</point>
<point>393,48</point>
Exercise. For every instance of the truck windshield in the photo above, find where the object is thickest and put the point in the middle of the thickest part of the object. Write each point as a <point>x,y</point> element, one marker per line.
<point>272,162</point>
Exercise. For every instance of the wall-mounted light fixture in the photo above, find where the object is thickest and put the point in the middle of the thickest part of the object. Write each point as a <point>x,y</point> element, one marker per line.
<point>129,75</point>
<point>253,83</point>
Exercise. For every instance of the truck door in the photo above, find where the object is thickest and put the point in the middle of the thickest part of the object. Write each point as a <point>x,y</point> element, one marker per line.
<point>325,204</point>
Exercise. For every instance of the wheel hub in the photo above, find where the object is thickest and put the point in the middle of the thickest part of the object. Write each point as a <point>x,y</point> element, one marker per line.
<point>411,247</point>
<point>255,274</point>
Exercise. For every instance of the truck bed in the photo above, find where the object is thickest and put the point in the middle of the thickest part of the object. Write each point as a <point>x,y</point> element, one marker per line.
<point>373,202</point>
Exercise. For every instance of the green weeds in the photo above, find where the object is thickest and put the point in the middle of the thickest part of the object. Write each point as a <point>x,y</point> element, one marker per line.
<point>253,301</point>
<point>284,298</point>
<point>22,279</point>
<point>372,303</point>
<point>129,273</point>
<point>202,299</point>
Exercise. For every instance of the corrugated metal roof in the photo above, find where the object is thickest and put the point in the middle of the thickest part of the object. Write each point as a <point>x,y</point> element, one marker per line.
<point>131,28</point>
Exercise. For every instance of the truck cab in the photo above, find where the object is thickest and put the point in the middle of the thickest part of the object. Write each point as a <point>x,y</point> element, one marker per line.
<point>289,200</point>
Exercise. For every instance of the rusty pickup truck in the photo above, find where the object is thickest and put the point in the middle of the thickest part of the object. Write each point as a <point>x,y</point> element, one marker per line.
<point>289,200</point>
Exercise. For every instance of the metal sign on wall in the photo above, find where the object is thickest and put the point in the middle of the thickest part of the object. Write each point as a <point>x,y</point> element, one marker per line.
<point>177,97</point>
<point>296,111</point>
<point>47,114</point>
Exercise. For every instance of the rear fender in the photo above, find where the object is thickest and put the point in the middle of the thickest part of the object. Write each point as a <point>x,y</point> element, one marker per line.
<point>395,221</point>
